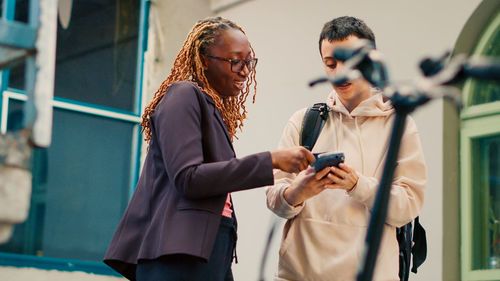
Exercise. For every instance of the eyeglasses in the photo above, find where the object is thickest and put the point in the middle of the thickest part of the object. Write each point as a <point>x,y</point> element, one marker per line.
<point>236,64</point>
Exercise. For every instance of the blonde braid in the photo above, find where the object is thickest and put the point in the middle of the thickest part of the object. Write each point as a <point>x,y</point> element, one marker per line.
<point>188,66</point>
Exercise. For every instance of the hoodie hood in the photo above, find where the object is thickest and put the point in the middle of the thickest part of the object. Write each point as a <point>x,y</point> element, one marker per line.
<point>372,107</point>
<point>375,106</point>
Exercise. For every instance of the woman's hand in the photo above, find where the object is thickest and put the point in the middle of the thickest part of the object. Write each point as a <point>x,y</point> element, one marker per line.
<point>292,160</point>
<point>307,184</point>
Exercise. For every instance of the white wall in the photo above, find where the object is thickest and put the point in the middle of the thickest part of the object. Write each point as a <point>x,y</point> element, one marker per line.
<point>285,37</point>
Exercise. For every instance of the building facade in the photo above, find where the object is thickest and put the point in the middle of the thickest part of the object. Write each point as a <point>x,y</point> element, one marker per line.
<point>112,55</point>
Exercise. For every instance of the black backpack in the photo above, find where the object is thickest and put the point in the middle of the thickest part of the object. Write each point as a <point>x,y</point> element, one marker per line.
<point>411,240</point>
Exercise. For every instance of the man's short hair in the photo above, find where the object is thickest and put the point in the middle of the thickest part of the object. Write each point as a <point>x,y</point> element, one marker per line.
<point>342,27</point>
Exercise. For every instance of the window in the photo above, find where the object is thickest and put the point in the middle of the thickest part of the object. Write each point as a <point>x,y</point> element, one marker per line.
<point>82,182</point>
<point>486,220</point>
<point>488,91</point>
<point>480,169</point>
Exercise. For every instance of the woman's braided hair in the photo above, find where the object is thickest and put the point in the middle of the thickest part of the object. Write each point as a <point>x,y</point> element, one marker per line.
<point>188,66</point>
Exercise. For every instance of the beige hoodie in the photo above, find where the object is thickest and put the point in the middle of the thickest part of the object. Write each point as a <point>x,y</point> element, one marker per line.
<point>324,238</point>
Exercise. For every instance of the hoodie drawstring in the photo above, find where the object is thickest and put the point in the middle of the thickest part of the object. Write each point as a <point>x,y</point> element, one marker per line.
<point>339,133</point>
<point>361,150</point>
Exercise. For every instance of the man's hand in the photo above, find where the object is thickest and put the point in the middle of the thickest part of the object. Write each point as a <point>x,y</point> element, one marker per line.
<point>344,177</point>
<point>307,184</point>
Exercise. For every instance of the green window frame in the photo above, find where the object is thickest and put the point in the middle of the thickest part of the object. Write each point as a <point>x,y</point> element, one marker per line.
<point>132,117</point>
<point>479,198</point>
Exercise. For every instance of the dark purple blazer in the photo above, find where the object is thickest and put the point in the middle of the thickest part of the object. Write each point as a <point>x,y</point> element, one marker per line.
<point>188,172</point>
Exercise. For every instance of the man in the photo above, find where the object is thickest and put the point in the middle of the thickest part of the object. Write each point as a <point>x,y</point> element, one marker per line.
<point>328,212</point>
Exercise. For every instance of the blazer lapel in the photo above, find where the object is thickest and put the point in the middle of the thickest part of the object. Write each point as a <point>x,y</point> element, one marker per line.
<point>218,116</point>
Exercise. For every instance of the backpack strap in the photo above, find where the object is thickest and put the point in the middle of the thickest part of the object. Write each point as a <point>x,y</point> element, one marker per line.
<point>404,236</point>
<point>412,246</point>
<point>419,248</point>
<point>313,123</point>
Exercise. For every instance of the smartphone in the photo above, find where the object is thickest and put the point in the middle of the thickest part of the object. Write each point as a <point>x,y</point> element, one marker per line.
<point>327,159</point>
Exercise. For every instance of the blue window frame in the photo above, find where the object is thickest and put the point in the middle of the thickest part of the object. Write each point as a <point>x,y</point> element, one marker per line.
<point>83,181</point>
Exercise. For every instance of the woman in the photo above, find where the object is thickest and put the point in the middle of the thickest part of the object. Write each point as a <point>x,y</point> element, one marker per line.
<point>179,224</point>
